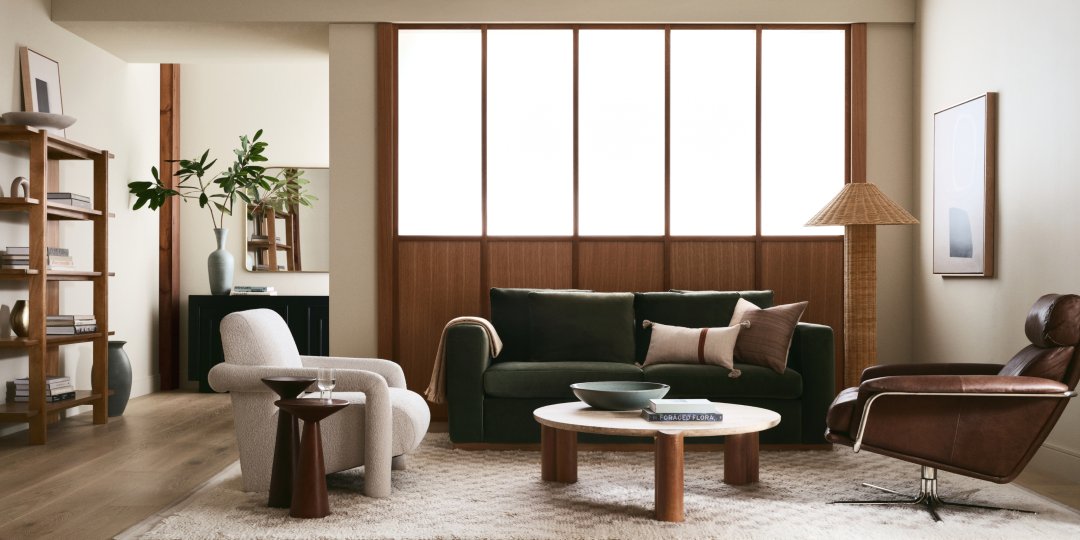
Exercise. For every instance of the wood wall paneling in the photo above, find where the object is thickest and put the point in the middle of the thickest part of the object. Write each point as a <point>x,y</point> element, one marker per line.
<point>610,265</point>
<point>437,281</point>
<point>713,265</point>
<point>532,264</point>
<point>812,271</point>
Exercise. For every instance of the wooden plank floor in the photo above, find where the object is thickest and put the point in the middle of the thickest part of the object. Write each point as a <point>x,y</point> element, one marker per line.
<point>96,481</point>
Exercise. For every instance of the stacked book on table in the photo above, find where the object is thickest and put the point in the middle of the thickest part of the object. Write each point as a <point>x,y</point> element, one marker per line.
<point>56,389</point>
<point>71,199</point>
<point>68,325</point>
<point>681,410</point>
<point>18,258</point>
<point>253,290</point>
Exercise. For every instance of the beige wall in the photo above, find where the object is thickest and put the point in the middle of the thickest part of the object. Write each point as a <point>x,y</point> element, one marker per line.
<point>116,106</point>
<point>1029,52</point>
<point>289,101</point>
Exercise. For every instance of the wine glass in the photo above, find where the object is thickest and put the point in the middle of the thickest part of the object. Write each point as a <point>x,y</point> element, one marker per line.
<point>326,383</point>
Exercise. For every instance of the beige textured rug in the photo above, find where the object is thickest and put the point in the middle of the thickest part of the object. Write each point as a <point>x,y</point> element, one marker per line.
<point>449,493</point>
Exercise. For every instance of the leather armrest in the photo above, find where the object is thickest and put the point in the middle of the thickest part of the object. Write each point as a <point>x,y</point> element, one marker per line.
<point>940,368</point>
<point>963,384</point>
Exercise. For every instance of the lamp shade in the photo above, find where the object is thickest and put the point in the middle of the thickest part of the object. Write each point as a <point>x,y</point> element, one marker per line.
<point>862,203</point>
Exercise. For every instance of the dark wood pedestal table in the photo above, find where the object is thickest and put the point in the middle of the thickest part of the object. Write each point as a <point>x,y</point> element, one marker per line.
<point>560,424</point>
<point>309,499</point>
<point>287,443</point>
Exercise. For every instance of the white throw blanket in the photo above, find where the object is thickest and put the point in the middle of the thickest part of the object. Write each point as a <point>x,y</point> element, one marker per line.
<point>436,390</point>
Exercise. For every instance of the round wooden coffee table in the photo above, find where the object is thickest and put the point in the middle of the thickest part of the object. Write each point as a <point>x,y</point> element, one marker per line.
<point>559,425</point>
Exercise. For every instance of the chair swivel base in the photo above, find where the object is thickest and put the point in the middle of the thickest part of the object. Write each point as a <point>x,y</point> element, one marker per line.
<point>927,497</point>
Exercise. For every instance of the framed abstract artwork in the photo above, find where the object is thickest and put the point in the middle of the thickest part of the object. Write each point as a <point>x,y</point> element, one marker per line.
<point>965,157</point>
<point>40,83</point>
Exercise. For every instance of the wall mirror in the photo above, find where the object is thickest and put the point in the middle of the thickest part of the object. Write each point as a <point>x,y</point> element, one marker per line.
<point>297,238</point>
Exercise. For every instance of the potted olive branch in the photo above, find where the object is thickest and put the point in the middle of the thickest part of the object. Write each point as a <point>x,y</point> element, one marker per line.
<point>245,180</point>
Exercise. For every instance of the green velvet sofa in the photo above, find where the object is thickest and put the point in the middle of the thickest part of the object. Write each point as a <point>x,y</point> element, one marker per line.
<point>552,339</point>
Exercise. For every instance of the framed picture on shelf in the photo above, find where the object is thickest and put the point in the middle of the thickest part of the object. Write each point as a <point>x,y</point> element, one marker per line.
<point>40,83</point>
<point>965,157</point>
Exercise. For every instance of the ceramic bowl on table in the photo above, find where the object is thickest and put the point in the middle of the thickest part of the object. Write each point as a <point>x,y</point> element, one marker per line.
<point>619,395</point>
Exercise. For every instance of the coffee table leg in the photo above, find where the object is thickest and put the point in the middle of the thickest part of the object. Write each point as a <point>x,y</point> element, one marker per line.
<point>741,459</point>
<point>558,455</point>
<point>669,476</point>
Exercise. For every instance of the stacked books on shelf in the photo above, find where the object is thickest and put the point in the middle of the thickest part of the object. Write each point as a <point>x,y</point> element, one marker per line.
<point>264,238</point>
<point>18,258</point>
<point>681,410</point>
<point>253,290</point>
<point>70,199</point>
<point>69,325</point>
<point>56,389</point>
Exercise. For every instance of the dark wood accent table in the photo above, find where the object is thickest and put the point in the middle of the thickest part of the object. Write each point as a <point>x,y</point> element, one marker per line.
<point>560,424</point>
<point>309,499</point>
<point>287,445</point>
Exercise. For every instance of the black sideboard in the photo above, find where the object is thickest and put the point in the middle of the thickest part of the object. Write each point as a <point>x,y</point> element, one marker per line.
<point>308,318</point>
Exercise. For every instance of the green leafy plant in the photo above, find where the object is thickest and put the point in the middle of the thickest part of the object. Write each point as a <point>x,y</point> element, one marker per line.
<point>287,191</point>
<point>245,180</point>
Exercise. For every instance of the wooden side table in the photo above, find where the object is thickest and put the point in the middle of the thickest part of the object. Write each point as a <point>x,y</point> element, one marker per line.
<point>309,499</point>
<point>287,444</point>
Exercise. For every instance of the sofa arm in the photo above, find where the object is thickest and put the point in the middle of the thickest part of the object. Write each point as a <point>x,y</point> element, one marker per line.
<point>813,356</point>
<point>937,368</point>
<point>468,356</point>
<point>391,371</point>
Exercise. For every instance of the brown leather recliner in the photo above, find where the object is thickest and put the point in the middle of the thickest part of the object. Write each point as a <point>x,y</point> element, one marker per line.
<point>980,420</point>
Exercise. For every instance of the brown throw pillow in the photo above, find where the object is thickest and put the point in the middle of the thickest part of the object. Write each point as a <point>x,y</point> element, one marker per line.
<point>767,341</point>
<point>679,345</point>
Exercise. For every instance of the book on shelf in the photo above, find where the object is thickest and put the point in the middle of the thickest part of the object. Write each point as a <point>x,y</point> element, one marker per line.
<point>69,317</point>
<point>53,381</point>
<point>77,322</point>
<point>253,288</point>
<point>681,417</point>
<point>70,330</point>
<point>49,391</point>
<point>24,251</point>
<point>67,195</point>
<point>681,406</point>
<point>71,199</point>
<point>48,399</point>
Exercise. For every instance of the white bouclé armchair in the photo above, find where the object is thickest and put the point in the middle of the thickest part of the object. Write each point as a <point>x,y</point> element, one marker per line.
<point>383,422</point>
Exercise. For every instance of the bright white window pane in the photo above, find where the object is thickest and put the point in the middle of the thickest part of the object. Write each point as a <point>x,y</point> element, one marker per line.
<point>621,132</point>
<point>439,132</point>
<point>530,132</point>
<point>713,102</point>
<point>802,127</point>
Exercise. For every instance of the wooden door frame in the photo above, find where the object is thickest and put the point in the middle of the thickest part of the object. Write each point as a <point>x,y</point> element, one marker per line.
<point>169,233</point>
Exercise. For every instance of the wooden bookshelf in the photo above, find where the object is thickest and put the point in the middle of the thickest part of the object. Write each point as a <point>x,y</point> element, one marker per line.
<point>43,295</point>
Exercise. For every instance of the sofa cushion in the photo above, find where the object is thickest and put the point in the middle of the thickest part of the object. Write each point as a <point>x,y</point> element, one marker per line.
<point>510,317</point>
<point>579,326</point>
<point>698,381</point>
<point>767,341</point>
<point>679,345</point>
<point>761,299</point>
<point>708,309</point>
<point>551,379</point>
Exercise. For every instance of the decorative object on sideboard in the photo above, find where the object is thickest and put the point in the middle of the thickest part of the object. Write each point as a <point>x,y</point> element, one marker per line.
<point>41,85</point>
<point>242,180</point>
<point>20,318</point>
<point>47,121</point>
<point>965,157</point>
<point>119,377</point>
<point>220,265</point>
<point>860,207</point>
<point>20,183</point>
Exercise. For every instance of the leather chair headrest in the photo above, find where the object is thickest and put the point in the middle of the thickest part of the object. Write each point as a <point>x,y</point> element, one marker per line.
<point>1054,321</point>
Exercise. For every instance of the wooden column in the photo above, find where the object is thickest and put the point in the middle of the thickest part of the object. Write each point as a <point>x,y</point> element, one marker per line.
<point>669,476</point>
<point>169,233</point>
<point>860,250</point>
<point>99,371</point>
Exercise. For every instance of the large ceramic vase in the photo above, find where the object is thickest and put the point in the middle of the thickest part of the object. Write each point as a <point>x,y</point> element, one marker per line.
<point>119,378</point>
<point>20,319</point>
<point>220,265</point>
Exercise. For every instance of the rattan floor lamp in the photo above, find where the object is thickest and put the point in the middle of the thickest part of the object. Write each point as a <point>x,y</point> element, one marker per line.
<point>860,207</point>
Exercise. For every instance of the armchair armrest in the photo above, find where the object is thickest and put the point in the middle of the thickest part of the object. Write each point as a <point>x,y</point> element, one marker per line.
<point>391,371</point>
<point>236,378</point>
<point>962,384</point>
<point>937,368</point>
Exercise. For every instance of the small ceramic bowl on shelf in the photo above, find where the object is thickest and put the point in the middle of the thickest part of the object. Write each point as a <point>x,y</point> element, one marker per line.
<point>38,119</point>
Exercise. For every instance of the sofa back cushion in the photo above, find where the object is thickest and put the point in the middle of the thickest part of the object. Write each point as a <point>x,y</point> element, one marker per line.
<point>581,326</point>
<point>510,317</point>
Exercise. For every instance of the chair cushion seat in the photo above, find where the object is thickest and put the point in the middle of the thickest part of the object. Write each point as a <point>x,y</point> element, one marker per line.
<point>838,419</point>
<point>706,381</point>
<point>551,379</point>
<point>410,418</point>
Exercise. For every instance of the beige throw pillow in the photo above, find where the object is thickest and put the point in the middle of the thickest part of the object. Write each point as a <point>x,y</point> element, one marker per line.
<point>679,345</point>
<point>768,338</point>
